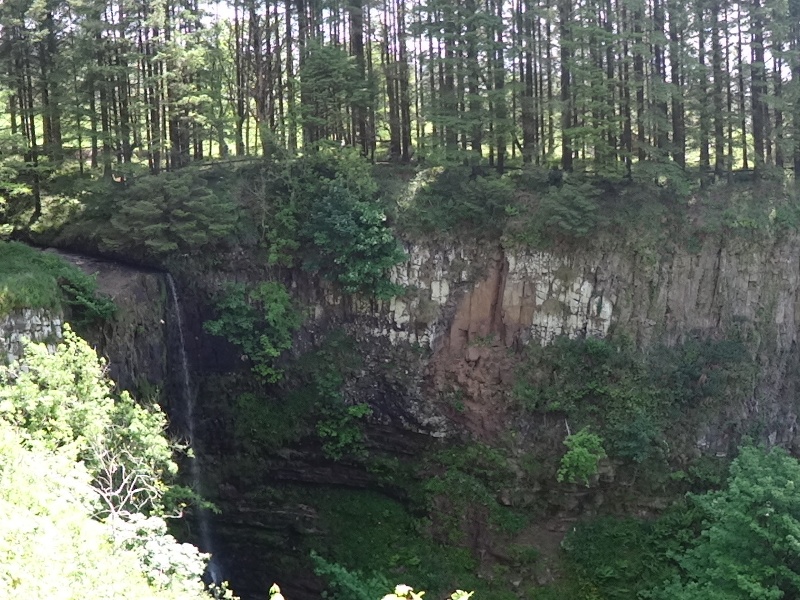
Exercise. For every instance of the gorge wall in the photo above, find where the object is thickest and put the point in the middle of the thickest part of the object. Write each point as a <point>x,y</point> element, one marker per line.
<point>439,362</point>
<point>37,325</point>
<point>464,304</point>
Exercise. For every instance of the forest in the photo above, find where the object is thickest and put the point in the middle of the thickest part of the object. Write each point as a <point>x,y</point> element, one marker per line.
<point>152,85</point>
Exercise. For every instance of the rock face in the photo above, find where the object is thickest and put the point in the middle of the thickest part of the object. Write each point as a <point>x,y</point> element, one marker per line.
<point>466,295</point>
<point>440,359</point>
<point>36,325</point>
<point>136,342</point>
<point>464,303</point>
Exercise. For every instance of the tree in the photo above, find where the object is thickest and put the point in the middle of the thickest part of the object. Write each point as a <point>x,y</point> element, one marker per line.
<point>584,453</point>
<point>750,546</point>
<point>62,401</point>
<point>82,483</point>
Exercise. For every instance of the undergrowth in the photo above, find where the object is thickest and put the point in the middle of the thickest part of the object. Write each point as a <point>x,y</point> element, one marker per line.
<point>623,558</point>
<point>634,402</point>
<point>660,206</point>
<point>353,520</point>
<point>309,405</point>
<point>30,278</point>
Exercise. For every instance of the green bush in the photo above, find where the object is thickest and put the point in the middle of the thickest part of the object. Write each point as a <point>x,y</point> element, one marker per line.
<point>319,212</point>
<point>260,320</point>
<point>748,547</point>
<point>457,198</point>
<point>162,215</point>
<point>572,210</point>
<point>349,243</point>
<point>353,518</point>
<point>63,402</point>
<point>622,558</point>
<point>584,453</point>
<point>83,483</point>
<point>344,584</point>
<point>465,478</point>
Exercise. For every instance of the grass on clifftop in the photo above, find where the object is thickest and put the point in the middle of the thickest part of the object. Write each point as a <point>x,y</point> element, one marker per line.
<point>30,278</point>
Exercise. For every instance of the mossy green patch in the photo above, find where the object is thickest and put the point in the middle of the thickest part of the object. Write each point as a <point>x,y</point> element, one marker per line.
<point>30,278</point>
<point>376,535</point>
<point>620,558</point>
<point>634,401</point>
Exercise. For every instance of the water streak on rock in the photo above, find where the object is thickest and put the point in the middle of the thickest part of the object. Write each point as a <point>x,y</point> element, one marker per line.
<point>188,399</point>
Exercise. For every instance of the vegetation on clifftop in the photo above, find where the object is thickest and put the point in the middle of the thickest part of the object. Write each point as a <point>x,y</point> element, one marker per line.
<point>30,278</point>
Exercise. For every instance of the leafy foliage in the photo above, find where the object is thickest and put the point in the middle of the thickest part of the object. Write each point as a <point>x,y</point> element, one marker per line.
<point>621,558</point>
<point>572,209</point>
<point>311,405</point>
<point>71,454</point>
<point>351,244</point>
<point>319,212</point>
<point>344,584</point>
<point>584,452</point>
<point>464,479</point>
<point>63,403</point>
<point>167,214</point>
<point>260,320</point>
<point>30,278</point>
<point>329,81</point>
<point>339,430</point>
<point>50,547</point>
<point>628,398</point>
<point>749,544</point>
<point>456,198</point>
<point>352,518</point>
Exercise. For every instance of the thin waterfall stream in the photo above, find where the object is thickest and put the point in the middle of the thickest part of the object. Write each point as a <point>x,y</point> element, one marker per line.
<point>188,399</point>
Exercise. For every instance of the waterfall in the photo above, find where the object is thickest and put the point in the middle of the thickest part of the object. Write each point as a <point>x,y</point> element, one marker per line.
<point>188,399</point>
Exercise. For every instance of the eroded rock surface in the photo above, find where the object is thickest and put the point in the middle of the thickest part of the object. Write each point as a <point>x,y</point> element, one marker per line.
<point>36,325</point>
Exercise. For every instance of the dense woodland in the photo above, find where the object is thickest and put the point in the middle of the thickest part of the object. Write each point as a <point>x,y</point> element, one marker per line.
<point>116,85</point>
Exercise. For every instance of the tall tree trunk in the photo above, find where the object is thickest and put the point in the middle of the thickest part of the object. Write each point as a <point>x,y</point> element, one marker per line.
<point>403,83</point>
<point>356,12</point>
<point>500,106</point>
<point>639,82</point>
<point>740,71</point>
<point>794,19</point>
<point>718,94</point>
<point>676,28</point>
<point>660,80</point>
<point>703,90</point>
<point>758,82</point>
<point>530,120</point>
<point>565,40</point>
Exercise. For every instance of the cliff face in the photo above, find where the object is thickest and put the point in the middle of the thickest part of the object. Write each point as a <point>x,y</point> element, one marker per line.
<point>464,305</point>
<point>36,325</point>
<point>136,341</point>
<point>440,361</point>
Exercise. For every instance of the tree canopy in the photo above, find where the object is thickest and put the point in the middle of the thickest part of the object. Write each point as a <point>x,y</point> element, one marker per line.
<point>157,84</point>
<point>84,477</point>
<point>750,545</point>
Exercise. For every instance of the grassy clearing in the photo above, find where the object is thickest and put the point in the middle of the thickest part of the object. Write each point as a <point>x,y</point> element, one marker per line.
<point>30,278</point>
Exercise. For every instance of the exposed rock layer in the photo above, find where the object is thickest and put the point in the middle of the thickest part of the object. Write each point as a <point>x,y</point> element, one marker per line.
<point>36,325</point>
